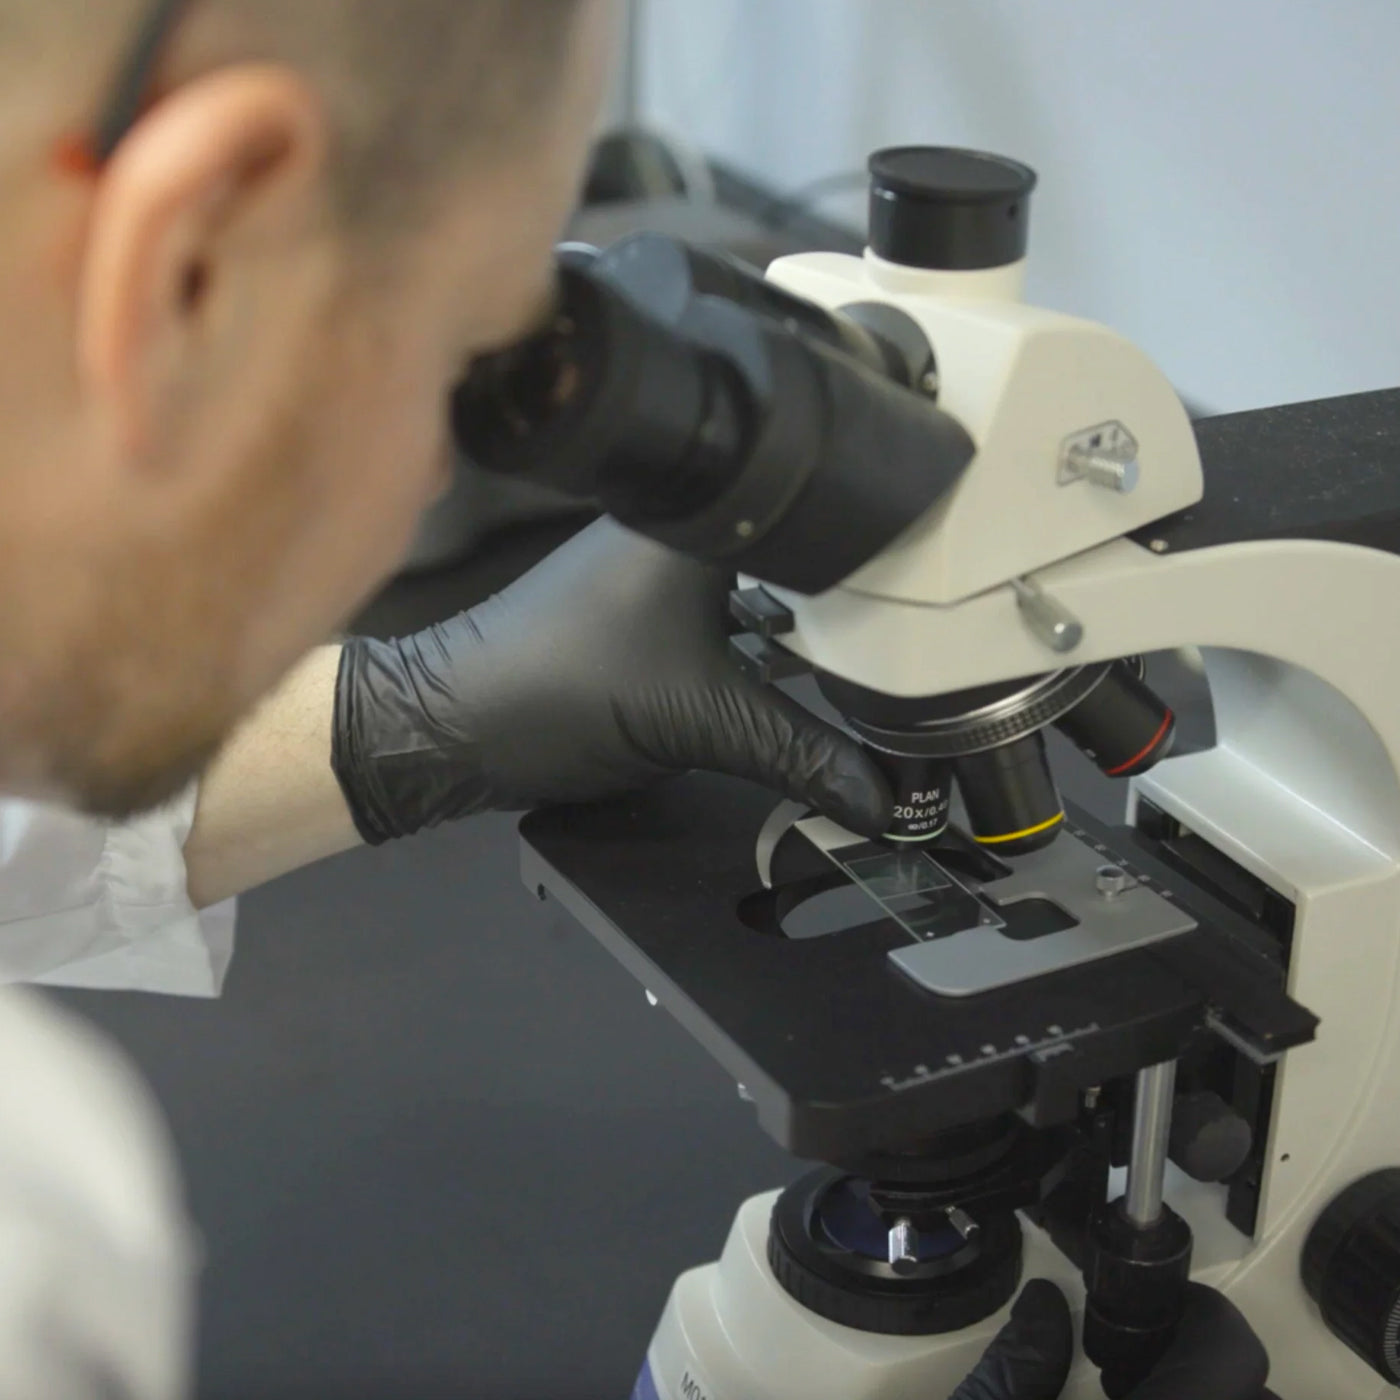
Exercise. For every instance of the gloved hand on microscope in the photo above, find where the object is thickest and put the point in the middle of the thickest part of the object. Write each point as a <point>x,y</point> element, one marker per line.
<point>1215,1355</point>
<point>602,670</point>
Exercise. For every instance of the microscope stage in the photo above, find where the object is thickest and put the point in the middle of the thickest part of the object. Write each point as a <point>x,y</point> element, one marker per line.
<point>841,1050</point>
<point>975,923</point>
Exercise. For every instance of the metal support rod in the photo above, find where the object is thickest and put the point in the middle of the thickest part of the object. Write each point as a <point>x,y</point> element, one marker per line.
<point>1152,1122</point>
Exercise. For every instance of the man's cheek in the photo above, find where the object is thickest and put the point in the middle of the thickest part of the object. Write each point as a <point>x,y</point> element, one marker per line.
<point>444,475</point>
<point>422,455</point>
<point>418,473</point>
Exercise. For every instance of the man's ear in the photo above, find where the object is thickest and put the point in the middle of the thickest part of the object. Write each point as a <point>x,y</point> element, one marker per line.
<point>232,159</point>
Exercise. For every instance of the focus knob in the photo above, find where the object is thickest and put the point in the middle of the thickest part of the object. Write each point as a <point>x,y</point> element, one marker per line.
<point>1351,1268</point>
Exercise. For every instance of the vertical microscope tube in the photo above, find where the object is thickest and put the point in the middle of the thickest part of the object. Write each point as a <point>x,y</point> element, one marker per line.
<point>1139,1251</point>
<point>1152,1125</point>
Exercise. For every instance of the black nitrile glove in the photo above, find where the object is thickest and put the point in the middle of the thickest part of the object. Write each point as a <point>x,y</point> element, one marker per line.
<point>1214,1356</point>
<point>1029,1359</point>
<point>602,670</point>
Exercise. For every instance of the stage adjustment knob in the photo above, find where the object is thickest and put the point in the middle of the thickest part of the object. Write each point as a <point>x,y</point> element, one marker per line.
<point>1209,1140</point>
<point>1351,1267</point>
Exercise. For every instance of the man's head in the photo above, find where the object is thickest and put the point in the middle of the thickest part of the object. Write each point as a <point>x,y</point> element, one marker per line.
<point>226,353</point>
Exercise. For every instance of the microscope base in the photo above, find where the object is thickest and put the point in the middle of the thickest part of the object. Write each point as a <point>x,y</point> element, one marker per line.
<point>729,1332</point>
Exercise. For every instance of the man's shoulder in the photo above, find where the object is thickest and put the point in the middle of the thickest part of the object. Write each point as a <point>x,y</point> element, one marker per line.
<point>78,1125</point>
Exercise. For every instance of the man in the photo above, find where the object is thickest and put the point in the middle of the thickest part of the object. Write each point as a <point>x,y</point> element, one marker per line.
<point>225,415</point>
<point>237,295</point>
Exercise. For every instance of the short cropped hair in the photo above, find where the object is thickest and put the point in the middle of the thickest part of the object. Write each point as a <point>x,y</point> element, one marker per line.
<point>411,85</point>
<point>416,85</point>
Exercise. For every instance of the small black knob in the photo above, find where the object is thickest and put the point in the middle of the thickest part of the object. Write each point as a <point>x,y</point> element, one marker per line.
<point>1351,1268</point>
<point>766,662</point>
<point>1209,1140</point>
<point>949,210</point>
<point>1136,1278</point>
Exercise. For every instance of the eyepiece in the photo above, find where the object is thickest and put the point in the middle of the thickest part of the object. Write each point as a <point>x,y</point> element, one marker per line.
<point>606,403</point>
<point>720,415</point>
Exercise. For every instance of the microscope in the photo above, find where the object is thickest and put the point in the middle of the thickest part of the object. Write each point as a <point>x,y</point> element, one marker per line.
<point>1019,1041</point>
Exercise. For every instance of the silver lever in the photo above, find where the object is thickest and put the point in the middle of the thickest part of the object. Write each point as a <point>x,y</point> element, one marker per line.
<point>903,1247</point>
<point>1112,473</point>
<point>1051,622</point>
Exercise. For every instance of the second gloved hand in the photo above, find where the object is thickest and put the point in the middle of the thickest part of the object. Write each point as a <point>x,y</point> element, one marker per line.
<point>1214,1355</point>
<point>602,670</point>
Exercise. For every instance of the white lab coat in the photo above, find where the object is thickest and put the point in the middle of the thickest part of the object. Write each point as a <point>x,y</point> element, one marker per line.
<point>97,1259</point>
<point>90,904</point>
<point>97,1263</point>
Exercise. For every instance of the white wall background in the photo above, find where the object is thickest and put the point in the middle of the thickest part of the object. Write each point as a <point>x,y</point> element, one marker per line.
<point>1220,178</point>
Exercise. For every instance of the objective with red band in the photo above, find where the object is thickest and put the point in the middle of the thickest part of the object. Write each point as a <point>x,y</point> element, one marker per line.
<point>1121,724</point>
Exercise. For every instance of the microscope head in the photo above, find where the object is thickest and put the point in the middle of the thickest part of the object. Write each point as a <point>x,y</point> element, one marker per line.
<point>901,426</point>
<point>1079,437</point>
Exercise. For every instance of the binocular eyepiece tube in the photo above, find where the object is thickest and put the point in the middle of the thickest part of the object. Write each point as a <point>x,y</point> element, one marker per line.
<point>705,407</point>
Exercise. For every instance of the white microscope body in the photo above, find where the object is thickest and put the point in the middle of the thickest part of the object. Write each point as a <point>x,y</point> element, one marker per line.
<point>1028,566</point>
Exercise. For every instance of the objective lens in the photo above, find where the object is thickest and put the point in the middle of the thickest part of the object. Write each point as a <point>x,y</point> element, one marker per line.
<point>1013,806</point>
<point>923,793</point>
<point>1122,725</point>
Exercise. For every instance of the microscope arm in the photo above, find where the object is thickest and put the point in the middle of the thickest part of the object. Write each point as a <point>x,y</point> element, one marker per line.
<point>1327,608</point>
<point>1285,488</point>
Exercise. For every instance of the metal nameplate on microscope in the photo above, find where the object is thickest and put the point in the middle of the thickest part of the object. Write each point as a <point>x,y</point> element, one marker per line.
<point>1112,442</point>
<point>977,953</point>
